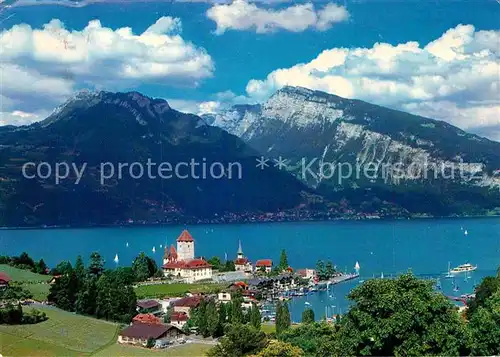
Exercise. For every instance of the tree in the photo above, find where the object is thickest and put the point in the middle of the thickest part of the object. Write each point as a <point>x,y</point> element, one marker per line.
<point>255,316</point>
<point>123,276</point>
<point>239,340</point>
<point>223,318</point>
<point>200,318</point>
<point>308,316</point>
<point>329,269</point>
<point>229,266</point>
<point>63,292</point>
<point>280,349</point>
<point>283,321</point>
<point>63,268</point>
<point>402,316</point>
<point>315,339</point>
<point>283,261</point>
<point>140,266</point>
<point>236,309</point>
<point>86,298</point>
<point>215,263</point>
<point>96,264</point>
<point>40,267</point>
<point>79,268</point>
<point>23,261</point>
<point>150,343</point>
<point>320,270</point>
<point>488,286</point>
<point>212,317</point>
<point>485,327</point>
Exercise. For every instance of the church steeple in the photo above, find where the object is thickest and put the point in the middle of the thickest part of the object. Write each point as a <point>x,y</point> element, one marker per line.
<point>240,251</point>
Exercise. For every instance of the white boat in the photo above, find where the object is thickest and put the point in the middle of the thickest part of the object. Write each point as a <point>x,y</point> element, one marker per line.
<point>466,232</point>
<point>464,268</point>
<point>126,245</point>
<point>382,275</point>
<point>154,250</point>
<point>116,259</point>
<point>357,267</point>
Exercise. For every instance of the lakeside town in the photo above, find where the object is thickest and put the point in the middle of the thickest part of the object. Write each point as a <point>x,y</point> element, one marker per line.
<point>193,304</point>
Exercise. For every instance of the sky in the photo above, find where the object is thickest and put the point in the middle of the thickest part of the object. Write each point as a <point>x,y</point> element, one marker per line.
<point>435,58</point>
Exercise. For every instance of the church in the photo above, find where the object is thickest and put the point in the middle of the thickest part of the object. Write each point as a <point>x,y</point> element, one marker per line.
<point>181,263</point>
<point>242,263</point>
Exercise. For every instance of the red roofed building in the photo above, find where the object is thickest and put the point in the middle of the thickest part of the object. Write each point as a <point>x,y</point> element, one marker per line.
<point>242,263</point>
<point>266,264</point>
<point>179,319</point>
<point>4,280</point>
<point>181,263</point>
<point>186,304</point>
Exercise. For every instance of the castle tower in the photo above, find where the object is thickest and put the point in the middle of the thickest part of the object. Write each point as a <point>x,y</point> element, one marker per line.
<point>185,246</point>
<point>170,255</point>
<point>239,254</point>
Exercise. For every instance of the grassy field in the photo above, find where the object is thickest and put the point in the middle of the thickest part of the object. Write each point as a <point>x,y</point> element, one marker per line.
<point>68,334</point>
<point>187,350</point>
<point>268,328</point>
<point>23,275</point>
<point>63,334</point>
<point>35,283</point>
<point>176,289</point>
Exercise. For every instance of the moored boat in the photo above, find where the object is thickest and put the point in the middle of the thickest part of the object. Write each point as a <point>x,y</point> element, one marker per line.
<point>464,268</point>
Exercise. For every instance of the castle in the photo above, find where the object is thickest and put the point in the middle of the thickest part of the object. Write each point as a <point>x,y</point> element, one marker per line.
<point>181,262</point>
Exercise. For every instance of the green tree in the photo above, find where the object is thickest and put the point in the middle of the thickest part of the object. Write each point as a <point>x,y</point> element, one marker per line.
<point>200,318</point>
<point>40,267</point>
<point>236,309</point>
<point>329,269</point>
<point>96,264</point>
<point>215,263</point>
<point>223,318</point>
<point>124,276</point>
<point>283,321</point>
<point>150,343</point>
<point>315,339</point>
<point>401,317</point>
<point>308,316</point>
<point>63,268</point>
<point>485,327</point>
<point>239,340</point>
<point>255,316</point>
<point>283,261</point>
<point>86,297</point>
<point>321,270</point>
<point>80,270</point>
<point>280,349</point>
<point>140,266</point>
<point>488,286</point>
<point>229,266</point>
<point>212,317</point>
<point>63,292</point>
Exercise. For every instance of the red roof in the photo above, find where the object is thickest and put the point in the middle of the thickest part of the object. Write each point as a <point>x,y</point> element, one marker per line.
<point>240,284</point>
<point>190,301</point>
<point>189,264</point>
<point>170,254</point>
<point>145,331</point>
<point>148,304</point>
<point>241,261</point>
<point>185,237</point>
<point>179,316</point>
<point>264,263</point>
<point>147,318</point>
<point>4,277</point>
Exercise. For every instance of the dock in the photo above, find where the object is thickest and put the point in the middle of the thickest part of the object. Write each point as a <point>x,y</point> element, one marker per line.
<point>339,279</point>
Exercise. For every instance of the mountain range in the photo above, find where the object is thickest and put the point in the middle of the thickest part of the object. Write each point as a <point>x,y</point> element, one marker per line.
<point>296,125</point>
<point>423,165</point>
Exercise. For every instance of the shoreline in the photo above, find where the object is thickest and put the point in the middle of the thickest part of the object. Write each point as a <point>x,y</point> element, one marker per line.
<point>173,224</point>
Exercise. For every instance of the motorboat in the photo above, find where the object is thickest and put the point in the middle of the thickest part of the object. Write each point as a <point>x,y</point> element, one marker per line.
<point>464,268</point>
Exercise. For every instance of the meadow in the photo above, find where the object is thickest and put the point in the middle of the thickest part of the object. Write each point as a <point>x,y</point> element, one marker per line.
<point>69,334</point>
<point>175,289</point>
<point>37,284</point>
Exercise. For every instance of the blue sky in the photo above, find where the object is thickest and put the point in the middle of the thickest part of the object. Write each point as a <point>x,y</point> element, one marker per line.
<point>203,56</point>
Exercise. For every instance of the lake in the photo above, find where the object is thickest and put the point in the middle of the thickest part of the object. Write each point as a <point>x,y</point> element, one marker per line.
<point>390,247</point>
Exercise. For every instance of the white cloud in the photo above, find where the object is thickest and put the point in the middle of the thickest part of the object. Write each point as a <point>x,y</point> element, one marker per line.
<point>41,67</point>
<point>455,78</point>
<point>242,15</point>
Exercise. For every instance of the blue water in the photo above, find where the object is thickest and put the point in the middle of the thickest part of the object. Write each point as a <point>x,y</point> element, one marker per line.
<point>388,247</point>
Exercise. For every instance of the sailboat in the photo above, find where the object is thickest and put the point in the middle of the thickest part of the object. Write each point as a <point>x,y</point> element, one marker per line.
<point>382,275</point>
<point>466,232</point>
<point>161,245</point>
<point>126,245</point>
<point>154,249</point>
<point>356,267</point>
<point>116,259</point>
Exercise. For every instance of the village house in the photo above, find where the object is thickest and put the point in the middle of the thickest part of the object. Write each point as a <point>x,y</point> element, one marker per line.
<point>307,274</point>
<point>181,263</point>
<point>224,297</point>
<point>242,263</point>
<point>187,304</point>
<point>264,264</point>
<point>139,333</point>
<point>149,307</point>
<point>179,319</point>
<point>4,280</point>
